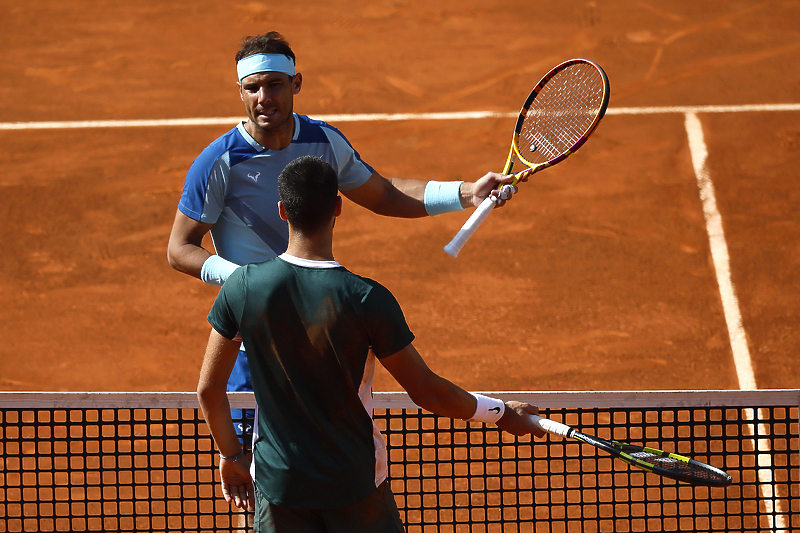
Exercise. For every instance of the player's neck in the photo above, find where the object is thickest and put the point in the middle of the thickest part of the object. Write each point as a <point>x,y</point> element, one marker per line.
<point>317,247</point>
<point>274,138</point>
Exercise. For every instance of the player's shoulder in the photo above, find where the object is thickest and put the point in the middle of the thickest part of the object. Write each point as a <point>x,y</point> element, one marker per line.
<point>232,146</point>
<point>371,288</point>
<point>254,270</point>
<point>254,275</point>
<point>314,130</point>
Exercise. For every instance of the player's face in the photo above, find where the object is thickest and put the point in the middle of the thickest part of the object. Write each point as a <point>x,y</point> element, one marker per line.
<point>269,99</point>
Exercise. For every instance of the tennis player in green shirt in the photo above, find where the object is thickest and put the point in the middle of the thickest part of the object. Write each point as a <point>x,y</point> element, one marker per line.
<point>313,332</point>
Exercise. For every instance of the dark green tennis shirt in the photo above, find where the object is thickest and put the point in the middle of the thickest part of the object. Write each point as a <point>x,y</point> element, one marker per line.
<point>308,331</point>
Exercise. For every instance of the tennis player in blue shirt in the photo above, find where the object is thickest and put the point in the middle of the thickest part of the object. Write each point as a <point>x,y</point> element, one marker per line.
<point>230,190</point>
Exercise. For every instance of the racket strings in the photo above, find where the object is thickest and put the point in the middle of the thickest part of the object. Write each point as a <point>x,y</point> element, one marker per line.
<point>561,117</point>
<point>561,114</point>
<point>685,469</point>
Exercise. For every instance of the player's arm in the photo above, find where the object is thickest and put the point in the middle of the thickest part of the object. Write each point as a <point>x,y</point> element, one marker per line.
<point>185,250</point>
<point>442,397</point>
<point>218,361</point>
<point>413,198</point>
<point>186,254</point>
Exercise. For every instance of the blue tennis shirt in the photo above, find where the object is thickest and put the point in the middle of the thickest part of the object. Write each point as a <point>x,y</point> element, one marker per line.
<point>233,185</point>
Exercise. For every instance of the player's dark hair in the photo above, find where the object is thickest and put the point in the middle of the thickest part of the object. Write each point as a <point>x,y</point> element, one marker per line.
<point>269,43</point>
<point>308,188</point>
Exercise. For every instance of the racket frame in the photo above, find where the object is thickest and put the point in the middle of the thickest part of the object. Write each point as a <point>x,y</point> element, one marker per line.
<point>523,114</point>
<point>613,448</point>
<point>486,207</point>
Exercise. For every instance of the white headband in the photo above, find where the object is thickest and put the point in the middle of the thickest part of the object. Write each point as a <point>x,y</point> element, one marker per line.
<point>264,63</point>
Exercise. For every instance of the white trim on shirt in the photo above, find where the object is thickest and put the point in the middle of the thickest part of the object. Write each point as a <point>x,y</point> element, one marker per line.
<point>309,263</point>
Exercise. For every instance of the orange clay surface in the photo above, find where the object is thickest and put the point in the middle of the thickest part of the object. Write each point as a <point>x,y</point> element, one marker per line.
<point>597,276</point>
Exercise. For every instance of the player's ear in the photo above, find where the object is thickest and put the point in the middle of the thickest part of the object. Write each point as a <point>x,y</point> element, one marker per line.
<point>338,210</point>
<point>282,211</point>
<point>297,83</point>
<point>239,84</point>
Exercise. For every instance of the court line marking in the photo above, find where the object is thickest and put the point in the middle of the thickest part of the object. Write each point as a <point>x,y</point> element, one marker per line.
<point>774,504</point>
<point>719,253</point>
<point>697,146</point>
<point>703,109</point>
<point>377,117</point>
<point>699,155</point>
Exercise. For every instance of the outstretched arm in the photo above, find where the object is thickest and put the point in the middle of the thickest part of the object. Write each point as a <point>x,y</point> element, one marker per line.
<point>438,395</point>
<point>412,198</point>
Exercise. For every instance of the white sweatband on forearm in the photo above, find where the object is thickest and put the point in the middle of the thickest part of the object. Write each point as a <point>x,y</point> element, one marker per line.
<point>442,197</point>
<point>489,410</point>
<point>216,270</point>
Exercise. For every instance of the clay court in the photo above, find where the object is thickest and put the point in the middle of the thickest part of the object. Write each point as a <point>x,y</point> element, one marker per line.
<point>598,276</point>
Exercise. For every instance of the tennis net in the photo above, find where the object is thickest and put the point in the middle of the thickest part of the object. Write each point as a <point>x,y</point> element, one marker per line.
<point>146,462</point>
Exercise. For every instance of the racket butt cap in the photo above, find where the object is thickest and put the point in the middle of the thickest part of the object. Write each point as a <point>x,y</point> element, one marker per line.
<point>452,250</point>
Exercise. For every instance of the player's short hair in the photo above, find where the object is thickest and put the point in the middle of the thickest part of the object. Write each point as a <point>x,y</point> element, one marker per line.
<point>308,188</point>
<point>268,43</point>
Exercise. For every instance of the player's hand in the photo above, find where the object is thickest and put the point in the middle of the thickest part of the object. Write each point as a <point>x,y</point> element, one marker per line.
<point>488,185</point>
<point>516,419</point>
<point>503,194</point>
<point>237,485</point>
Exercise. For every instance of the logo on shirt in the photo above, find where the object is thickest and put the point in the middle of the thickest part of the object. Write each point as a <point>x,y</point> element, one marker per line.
<point>254,178</point>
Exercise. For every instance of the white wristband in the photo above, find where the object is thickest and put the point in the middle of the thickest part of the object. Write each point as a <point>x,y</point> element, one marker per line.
<point>442,197</point>
<point>216,270</point>
<point>489,410</point>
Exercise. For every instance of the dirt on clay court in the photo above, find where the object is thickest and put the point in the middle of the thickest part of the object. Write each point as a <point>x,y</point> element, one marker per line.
<point>597,276</point>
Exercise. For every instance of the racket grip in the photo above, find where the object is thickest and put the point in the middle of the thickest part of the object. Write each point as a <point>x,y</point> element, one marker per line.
<point>469,227</point>
<point>551,426</point>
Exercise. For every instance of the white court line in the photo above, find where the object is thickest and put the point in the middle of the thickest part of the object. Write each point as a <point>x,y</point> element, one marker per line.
<point>696,143</point>
<point>358,117</point>
<point>774,506</point>
<point>703,109</point>
<point>117,123</point>
<point>371,117</point>
<point>699,153</point>
<point>719,254</point>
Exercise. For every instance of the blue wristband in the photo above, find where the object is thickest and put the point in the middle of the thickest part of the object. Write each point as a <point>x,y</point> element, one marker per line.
<point>442,197</point>
<point>216,270</point>
<point>234,457</point>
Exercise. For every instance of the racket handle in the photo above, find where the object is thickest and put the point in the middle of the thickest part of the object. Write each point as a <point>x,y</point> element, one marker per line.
<point>469,227</point>
<point>551,426</point>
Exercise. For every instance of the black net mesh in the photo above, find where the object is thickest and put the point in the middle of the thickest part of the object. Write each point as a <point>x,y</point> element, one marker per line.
<point>81,467</point>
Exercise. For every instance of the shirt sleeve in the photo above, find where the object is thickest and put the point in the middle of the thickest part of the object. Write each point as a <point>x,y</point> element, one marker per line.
<point>352,170</point>
<point>389,330</point>
<point>203,196</point>
<point>225,314</point>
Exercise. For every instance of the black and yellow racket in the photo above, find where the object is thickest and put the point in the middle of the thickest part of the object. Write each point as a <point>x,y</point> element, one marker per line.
<point>659,462</point>
<point>558,116</point>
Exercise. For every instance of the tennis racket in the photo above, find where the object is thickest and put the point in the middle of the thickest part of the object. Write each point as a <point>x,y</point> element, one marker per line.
<point>665,464</point>
<point>558,116</point>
